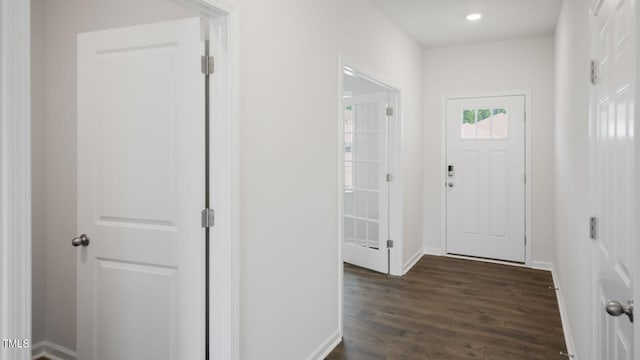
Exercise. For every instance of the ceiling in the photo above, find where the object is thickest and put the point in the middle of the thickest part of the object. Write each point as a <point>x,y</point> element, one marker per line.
<point>439,23</point>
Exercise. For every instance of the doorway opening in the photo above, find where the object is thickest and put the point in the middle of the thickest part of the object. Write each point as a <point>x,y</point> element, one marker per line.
<point>140,178</point>
<point>369,181</point>
<point>369,123</point>
<point>367,114</point>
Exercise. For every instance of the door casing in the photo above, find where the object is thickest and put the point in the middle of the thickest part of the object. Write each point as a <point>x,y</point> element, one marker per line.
<point>527,166</point>
<point>15,175</point>
<point>224,304</point>
<point>636,250</point>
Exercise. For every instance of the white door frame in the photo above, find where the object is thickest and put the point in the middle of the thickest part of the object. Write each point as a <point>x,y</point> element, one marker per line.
<point>592,274</point>
<point>15,175</point>
<point>395,167</point>
<point>527,166</point>
<point>636,250</point>
<point>224,181</point>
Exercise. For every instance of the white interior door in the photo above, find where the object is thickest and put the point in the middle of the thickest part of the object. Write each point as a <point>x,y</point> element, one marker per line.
<point>366,192</point>
<point>486,177</point>
<point>614,181</point>
<point>140,192</point>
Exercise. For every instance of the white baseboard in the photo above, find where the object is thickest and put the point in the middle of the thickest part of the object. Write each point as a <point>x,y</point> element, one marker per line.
<point>52,351</point>
<point>326,347</point>
<point>414,259</point>
<point>543,265</point>
<point>433,251</point>
<point>568,338</point>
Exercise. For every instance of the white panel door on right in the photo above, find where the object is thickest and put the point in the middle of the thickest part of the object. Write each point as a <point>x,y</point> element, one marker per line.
<point>486,177</point>
<point>613,181</point>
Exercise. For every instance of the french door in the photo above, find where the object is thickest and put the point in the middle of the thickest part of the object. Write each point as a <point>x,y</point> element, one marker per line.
<point>366,191</point>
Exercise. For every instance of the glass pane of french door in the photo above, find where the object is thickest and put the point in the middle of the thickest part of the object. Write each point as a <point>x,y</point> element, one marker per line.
<point>362,168</point>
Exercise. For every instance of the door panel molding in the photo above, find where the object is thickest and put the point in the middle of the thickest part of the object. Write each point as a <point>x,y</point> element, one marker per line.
<point>443,164</point>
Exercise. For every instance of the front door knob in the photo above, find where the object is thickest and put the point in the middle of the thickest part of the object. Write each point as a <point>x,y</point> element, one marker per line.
<point>614,308</point>
<point>80,240</point>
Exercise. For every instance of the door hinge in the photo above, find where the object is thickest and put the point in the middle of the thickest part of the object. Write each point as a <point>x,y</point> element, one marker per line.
<point>206,64</point>
<point>594,72</point>
<point>389,111</point>
<point>389,177</point>
<point>525,116</point>
<point>525,178</point>
<point>208,217</point>
<point>593,227</point>
<point>525,240</point>
<point>389,244</point>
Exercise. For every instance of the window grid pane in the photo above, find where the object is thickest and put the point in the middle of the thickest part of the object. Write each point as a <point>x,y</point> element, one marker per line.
<point>499,124</point>
<point>488,123</point>
<point>468,124</point>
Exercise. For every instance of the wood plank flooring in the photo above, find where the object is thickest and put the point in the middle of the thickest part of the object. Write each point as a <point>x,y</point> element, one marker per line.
<point>447,308</point>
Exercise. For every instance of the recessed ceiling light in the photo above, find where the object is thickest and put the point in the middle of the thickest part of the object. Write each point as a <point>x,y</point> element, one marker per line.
<point>474,17</point>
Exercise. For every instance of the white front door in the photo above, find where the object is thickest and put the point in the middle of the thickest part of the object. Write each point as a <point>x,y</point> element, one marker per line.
<point>366,192</point>
<point>140,192</point>
<point>614,181</point>
<point>485,182</point>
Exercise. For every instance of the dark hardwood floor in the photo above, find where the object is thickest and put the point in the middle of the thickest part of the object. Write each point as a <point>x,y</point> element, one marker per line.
<point>447,308</point>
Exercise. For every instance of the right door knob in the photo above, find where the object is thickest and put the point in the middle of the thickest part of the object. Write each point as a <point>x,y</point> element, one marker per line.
<point>614,308</point>
<point>82,240</point>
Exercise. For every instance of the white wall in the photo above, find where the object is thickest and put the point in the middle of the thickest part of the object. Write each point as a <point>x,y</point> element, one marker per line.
<point>55,156</point>
<point>38,174</point>
<point>573,255</point>
<point>289,168</point>
<point>521,64</point>
<point>288,165</point>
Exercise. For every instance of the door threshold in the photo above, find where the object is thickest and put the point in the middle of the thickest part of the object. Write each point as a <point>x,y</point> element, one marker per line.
<point>487,260</point>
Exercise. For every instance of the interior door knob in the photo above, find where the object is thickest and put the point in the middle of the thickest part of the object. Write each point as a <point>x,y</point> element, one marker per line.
<point>450,184</point>
<point>80,240</point>
<point>614,308</point>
